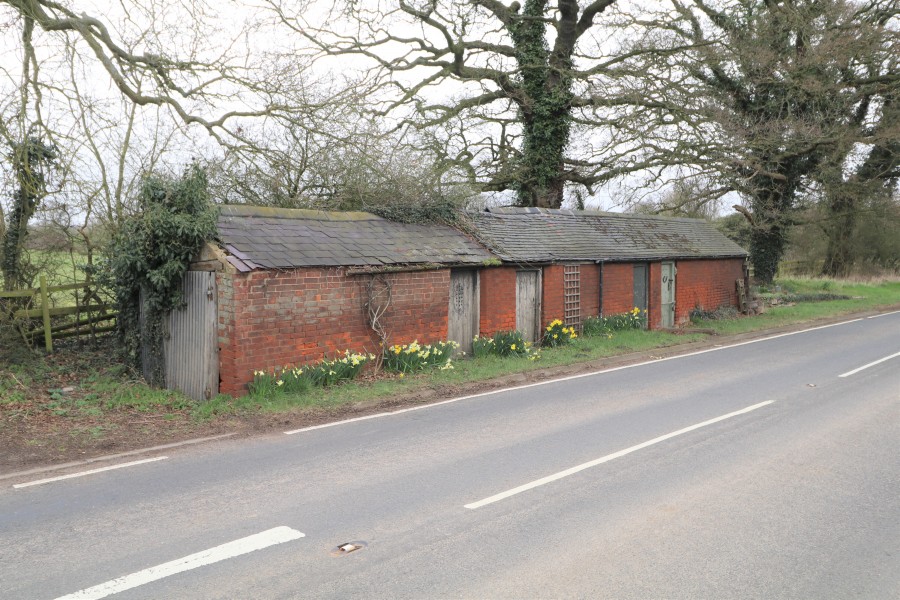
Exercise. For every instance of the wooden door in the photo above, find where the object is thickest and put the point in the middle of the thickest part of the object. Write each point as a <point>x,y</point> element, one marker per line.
<point>462,317</point>
<point>640,286</point>
<point>528,304</point>
<point>667,304</point>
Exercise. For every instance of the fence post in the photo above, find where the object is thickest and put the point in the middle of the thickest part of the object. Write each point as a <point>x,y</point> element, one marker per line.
<point>45,309</point>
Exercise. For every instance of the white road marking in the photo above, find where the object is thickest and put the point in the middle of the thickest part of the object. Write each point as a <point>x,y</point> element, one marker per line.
<point>271,537</point>
<point>893,312</point>
<point>91,472</point>
<point>609,457</point>
<point>871,364</point>
<point>568,378</point>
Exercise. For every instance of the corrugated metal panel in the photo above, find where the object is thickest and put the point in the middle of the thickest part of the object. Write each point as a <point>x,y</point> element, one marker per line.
<point>191,349</point>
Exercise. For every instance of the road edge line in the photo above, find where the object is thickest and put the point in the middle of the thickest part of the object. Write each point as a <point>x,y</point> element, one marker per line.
<point>88,461</point>
<point>566,378</point>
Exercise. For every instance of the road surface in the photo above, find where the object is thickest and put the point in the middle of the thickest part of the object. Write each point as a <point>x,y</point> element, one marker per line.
<point>767,469</point>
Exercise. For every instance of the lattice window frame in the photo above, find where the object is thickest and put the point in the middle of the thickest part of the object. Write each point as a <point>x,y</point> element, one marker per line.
<point>572,295</point>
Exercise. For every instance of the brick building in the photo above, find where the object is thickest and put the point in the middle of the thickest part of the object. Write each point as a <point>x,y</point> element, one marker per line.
<point>289,287</point>
<point>294,286</point>
<point>574,264</point>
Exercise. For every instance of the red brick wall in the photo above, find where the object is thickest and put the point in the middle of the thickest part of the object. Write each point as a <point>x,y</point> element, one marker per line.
<point>618,288</point>
<point>553,302</point>
<point>708,284</point>
<point>590,290</point>
<point>228,351</point>
<point>498,300</point>
<point>298,316</point>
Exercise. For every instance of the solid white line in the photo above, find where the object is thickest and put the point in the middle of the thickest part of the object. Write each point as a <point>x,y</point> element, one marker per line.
<point>871,364</point>
<point>568,378</point>
<point>893,312</point>
<point>91,472</point>
<point>271,537</point>
<point>608,457</point>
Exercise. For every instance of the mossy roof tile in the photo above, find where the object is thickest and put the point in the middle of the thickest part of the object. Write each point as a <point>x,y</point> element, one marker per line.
<point>288,238</point>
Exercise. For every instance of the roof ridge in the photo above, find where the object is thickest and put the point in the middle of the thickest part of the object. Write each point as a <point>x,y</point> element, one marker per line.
<point>534,210</point>
<point>311,214</point>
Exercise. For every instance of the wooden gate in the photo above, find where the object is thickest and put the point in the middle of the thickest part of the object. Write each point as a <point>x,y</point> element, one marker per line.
<point>528,304</point>
<point>190,348</point>
<point>462,317</point>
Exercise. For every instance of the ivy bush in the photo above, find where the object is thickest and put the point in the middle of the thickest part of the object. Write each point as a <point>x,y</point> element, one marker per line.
<point>151,252</point>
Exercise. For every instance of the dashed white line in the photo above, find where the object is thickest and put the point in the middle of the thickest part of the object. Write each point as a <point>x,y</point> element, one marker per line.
<point>603,459</point>
<point>270,537</point>
<point>568,378</point>
<point>871,364</point>
<point>91,472</point>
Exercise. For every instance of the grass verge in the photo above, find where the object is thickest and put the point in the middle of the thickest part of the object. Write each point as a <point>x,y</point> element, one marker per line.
<point>77,401</point>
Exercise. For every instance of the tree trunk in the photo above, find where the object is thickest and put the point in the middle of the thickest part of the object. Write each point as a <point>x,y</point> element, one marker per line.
<point>545,109</point>
<point>766,249</point>
<point>840,229</point>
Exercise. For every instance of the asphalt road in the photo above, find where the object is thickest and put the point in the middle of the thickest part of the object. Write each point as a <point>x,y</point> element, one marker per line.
<point>751,471</point>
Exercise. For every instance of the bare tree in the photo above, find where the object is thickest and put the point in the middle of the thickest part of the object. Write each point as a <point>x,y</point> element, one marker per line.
<point>506,90</point>
<point>764,99</point>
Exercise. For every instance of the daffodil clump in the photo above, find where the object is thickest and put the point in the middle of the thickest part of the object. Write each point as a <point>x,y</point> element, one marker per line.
<point>557,334</point>
<point>635,318</point>
<point>296,380</point>
<point>412,357</point>
<point>504,343</point>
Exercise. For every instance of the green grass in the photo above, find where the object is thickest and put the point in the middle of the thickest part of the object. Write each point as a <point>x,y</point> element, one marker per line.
<point>863,296</point>
<point>465,370</point>
<point>34,385</point>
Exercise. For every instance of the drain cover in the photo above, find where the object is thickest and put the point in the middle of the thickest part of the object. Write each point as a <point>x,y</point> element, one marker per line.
<point>347,548</point>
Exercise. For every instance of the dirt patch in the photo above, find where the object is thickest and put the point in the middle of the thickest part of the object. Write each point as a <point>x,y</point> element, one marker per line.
<point>45,426</point>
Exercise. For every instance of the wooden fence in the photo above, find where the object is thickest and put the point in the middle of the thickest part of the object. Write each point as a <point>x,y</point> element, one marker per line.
<point>32,305</point>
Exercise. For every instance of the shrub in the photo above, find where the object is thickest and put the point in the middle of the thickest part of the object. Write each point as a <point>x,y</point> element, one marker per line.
<point>503,343</point>
<point>408,358</point>
<point>557,334</point>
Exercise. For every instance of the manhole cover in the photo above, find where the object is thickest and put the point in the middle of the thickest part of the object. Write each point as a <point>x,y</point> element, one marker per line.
<point>347,548</point>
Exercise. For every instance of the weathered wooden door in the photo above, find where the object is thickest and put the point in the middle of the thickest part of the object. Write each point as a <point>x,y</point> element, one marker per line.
<point>667,304</point>
<point>528,304</point>
<point>462,318</point>
<point>640,286</point>
<point>191,348</point>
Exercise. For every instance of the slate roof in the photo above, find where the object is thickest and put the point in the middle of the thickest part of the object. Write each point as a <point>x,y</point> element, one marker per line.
<point>537,235</point>
<point>264,238</point>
